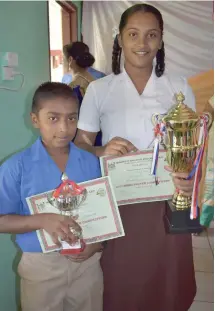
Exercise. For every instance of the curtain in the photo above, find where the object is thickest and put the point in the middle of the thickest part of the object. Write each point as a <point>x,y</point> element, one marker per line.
<point>188,33</point>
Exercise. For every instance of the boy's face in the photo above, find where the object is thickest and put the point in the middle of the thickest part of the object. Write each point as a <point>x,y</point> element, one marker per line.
<point>57,121</point>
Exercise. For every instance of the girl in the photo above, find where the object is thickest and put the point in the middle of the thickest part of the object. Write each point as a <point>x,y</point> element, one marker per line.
<point>147,270</point>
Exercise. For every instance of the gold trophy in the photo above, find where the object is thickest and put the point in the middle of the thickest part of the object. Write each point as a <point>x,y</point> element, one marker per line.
<point>184,140</point>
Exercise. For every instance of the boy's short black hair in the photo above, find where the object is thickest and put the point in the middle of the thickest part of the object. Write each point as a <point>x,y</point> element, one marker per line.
<point>51,90</point>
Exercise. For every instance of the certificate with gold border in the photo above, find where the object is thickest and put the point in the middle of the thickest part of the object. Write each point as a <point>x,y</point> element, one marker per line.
<point>98,216</point>
<point>132,180</point>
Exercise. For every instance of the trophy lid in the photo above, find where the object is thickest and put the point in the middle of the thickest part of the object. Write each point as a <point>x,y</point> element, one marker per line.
<point>180,113</point>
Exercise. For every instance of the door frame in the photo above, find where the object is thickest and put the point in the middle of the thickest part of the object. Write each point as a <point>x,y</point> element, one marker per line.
<point>73,10</point>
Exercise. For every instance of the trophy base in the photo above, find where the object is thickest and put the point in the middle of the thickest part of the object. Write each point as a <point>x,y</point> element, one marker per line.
<point>76,248</point>
<point>179,222</point>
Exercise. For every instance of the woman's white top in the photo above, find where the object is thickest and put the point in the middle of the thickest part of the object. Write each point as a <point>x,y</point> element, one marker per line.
<point>113,105</point>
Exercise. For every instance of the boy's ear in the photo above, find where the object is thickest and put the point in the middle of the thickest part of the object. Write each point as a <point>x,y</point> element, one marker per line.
<point>34,120</point>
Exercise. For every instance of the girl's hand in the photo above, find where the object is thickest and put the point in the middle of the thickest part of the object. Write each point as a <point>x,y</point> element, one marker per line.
<point>118,147</point>
<point>184,186</point>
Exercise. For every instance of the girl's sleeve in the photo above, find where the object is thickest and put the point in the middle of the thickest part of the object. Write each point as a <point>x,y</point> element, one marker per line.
<point>89,118</point>
<point>189,95</point>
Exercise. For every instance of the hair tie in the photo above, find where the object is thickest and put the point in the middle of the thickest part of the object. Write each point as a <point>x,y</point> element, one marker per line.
<point>115,32</point>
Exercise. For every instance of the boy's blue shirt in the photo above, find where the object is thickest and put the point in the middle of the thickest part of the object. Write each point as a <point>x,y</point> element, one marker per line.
<point>33,171</point>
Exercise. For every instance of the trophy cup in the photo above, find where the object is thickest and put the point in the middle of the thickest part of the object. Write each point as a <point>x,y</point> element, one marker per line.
<point>67,198</point>
<point>183,136</point>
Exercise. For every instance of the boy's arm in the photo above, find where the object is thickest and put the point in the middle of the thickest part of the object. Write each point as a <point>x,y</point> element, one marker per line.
<point>11,220</point>
<point>19,224</point>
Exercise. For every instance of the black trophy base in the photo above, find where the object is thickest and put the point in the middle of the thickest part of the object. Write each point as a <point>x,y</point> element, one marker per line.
<point>179,222</point>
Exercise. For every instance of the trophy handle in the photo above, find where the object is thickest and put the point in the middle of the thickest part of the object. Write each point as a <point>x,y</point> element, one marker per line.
<point>157,118</point>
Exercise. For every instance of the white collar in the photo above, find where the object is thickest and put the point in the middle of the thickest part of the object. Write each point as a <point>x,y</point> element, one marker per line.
<point>150,88</point>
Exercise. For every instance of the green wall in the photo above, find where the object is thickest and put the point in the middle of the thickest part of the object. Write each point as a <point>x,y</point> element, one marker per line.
<point>79,7</point>
<point>27,34</point>
<point>23,29</point>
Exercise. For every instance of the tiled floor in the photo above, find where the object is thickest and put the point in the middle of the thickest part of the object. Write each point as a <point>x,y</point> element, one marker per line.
<point>203,250</point>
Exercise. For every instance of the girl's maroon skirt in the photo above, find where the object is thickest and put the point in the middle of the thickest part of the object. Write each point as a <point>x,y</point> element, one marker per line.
<point>148,270</point>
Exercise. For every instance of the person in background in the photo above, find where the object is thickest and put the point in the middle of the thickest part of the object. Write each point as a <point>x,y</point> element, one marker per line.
<point>67,50</point>
<point>79,60</point>
<point>50,281</point>
<point>148,269</point>
<point>207,213</point>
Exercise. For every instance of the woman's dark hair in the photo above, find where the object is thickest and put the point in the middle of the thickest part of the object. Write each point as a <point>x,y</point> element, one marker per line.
<point>117,50</point>
<point>79,51</point>
<point>51,90</point>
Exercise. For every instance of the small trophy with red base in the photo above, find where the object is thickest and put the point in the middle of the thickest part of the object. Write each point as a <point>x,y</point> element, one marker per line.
<point>67,198</point>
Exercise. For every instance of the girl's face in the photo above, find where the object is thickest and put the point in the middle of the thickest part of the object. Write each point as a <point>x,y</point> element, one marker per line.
<point>140,39</point>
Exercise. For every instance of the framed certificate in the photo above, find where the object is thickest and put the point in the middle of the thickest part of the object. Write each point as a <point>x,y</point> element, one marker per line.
<point>98,216</point>
<point>132,180</point>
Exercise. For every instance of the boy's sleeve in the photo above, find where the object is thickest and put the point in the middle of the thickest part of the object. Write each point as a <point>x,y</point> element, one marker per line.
<point>97,170</point>
<point>10,199</point>
<point>93,167</point>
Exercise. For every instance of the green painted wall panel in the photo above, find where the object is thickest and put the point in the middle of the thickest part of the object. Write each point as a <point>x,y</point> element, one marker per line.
<point>24,30</point>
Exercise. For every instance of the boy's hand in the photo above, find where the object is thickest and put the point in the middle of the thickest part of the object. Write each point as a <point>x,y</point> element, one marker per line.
<point>59,226</point>
<point>88,252</point>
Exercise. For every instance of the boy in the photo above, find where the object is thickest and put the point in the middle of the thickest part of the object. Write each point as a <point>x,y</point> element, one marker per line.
<point>50,282</point>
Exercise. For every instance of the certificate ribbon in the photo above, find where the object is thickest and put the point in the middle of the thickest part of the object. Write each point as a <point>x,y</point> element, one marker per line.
<point>159,131</point>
